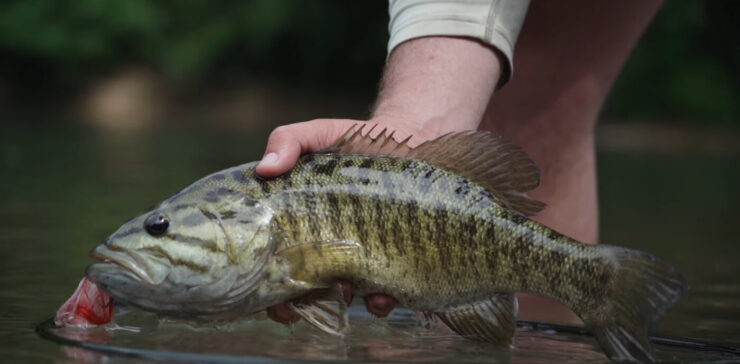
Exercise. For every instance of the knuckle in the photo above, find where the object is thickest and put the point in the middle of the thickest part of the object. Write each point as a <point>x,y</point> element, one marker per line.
<point>280,131</point>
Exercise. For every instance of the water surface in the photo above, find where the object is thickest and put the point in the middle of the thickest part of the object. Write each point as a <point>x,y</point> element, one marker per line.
<point>65,189</point>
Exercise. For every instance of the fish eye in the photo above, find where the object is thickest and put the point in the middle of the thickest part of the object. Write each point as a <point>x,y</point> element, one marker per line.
<point>156,225</point>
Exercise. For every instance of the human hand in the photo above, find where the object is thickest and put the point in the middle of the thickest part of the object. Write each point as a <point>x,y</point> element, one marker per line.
<point>288,142</point>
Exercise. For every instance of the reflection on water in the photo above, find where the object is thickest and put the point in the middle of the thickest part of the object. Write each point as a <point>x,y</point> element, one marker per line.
<point>401,338</point>
<point>63,190</point>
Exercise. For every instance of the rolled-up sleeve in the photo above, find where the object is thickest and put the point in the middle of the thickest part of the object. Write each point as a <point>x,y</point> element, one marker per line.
<point>495,22</point>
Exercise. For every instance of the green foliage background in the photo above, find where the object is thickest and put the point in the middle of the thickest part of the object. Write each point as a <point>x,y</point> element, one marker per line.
<point>685,68</point>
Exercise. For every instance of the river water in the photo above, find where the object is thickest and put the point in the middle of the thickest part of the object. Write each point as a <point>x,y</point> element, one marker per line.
<point>63,189</point>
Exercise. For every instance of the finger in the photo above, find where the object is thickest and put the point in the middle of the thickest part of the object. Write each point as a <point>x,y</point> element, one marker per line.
<point>380,304</point>
<point>282,313</point>
<point>286,143</point>
<point>346,290</point>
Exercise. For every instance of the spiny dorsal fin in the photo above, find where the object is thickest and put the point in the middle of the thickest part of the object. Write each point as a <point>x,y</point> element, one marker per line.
<point>354,142</point>
<point>500,167</point>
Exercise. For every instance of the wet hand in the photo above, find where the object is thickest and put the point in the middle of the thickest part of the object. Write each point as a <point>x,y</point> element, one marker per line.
<point>288,142</point>
<point>380,304</point>
<point>377,304</point>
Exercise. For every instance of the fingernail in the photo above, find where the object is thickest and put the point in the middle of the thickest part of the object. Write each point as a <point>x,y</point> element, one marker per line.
<point>269,159</point>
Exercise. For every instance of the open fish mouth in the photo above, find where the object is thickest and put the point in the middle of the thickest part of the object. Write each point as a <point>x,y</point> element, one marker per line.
<point>128,260</point>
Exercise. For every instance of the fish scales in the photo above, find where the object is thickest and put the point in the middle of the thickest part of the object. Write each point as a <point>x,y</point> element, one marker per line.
<point>442,227</point>
<point>370,195</point>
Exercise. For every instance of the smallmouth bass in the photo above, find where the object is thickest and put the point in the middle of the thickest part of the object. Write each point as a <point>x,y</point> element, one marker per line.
<point>442,227</point>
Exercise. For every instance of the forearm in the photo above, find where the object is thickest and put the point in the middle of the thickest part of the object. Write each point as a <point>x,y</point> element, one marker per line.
<point>438,84</point>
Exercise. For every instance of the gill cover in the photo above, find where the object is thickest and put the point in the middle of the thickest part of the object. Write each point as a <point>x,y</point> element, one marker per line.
<point>246,239</point>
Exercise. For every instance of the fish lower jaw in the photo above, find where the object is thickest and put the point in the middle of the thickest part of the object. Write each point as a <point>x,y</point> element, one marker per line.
<point>123,259</point>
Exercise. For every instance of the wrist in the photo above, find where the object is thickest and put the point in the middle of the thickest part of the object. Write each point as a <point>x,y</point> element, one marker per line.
<point>438,84</point>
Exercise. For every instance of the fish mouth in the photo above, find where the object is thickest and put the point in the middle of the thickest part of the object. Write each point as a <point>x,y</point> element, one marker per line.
<point>128,260</point>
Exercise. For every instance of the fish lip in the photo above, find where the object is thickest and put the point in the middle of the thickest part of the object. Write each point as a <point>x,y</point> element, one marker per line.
<point>123,258</point>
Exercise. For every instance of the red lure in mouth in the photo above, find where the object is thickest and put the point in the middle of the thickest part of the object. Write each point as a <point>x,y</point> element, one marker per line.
<point>88,306</point>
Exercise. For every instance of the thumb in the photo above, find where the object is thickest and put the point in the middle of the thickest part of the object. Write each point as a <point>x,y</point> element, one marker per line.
<point>286,143</point>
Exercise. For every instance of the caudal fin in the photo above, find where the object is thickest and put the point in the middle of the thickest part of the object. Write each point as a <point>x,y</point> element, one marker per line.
<point>642,290</point>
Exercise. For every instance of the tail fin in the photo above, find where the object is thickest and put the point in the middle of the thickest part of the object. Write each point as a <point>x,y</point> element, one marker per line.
<point>642,290</point>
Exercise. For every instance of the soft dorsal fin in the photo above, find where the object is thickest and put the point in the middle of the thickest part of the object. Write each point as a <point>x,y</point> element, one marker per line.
<point>499,166</point>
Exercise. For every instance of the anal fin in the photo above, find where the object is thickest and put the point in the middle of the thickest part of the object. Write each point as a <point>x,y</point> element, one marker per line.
<point>492,320</point>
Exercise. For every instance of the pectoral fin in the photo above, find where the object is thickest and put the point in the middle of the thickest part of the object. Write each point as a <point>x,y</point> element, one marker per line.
<point>325,309</point>
<point>492,320</point>
<point>321,262</point>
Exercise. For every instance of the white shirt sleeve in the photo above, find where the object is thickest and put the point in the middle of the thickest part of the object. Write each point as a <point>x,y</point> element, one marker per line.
<point>496,22</point>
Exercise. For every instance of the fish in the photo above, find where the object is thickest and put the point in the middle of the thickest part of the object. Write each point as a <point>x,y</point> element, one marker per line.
<point>443,227</point>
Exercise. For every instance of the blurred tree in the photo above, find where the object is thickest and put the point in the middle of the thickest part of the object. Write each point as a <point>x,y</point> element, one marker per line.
<point>686,67</point>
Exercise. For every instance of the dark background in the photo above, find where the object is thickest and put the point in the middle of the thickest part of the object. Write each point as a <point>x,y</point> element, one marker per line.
<point>241,63</point>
